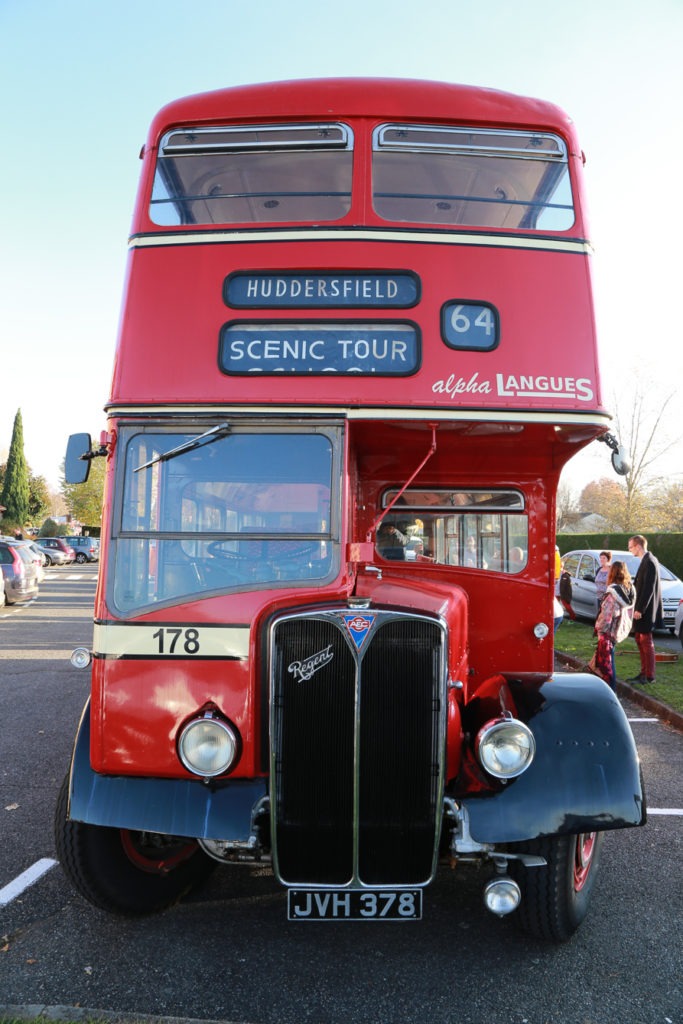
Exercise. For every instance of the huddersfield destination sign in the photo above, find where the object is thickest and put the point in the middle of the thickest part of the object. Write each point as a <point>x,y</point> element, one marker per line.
<point>318,291</point>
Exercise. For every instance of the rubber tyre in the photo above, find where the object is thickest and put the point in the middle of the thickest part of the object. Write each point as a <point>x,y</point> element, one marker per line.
<point>80,558</point>
<point>49,561</point>
<point>555,898</point>
<point>124,872</point>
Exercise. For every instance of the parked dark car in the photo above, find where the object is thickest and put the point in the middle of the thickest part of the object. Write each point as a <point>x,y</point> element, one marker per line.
<point>582,567</point>
<point>87,548</point>
<point>20,574</point>
<point>57,551</point>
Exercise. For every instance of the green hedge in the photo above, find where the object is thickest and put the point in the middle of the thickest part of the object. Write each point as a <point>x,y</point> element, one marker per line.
<point>668,547</point>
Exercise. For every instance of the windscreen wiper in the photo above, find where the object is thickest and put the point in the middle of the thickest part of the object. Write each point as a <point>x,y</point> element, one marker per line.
<point>222,430</point>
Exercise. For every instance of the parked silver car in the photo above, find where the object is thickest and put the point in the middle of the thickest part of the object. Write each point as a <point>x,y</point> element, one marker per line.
<point>55,549</point>
<point>582,567</point>
<point>19,571</point>
<point>87,548</point>
<point>39,558</point>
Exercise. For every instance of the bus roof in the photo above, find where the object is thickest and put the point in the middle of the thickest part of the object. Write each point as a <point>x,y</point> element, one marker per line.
<point>384,98</point>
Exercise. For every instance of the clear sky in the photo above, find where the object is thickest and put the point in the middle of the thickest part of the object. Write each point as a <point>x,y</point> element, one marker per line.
<point>81,79</point>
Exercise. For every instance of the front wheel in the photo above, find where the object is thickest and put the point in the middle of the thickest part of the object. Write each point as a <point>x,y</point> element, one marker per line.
<point>555,898</point>
<point>123,871</point>
<point>80,558</point>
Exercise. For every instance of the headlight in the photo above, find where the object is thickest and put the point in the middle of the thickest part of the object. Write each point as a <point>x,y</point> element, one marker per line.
<point>505,747</point>
<point>207,746</point>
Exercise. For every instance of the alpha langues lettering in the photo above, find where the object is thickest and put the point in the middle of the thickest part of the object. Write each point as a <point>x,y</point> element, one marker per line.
<point>461,386</point>
<point>380,289</point>
<point>517,386</point>
<point>525,386</point>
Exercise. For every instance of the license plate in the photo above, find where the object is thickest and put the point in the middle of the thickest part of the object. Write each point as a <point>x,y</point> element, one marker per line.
<point>354,905</point>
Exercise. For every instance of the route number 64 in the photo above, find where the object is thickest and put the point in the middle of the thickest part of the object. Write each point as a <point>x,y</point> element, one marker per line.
<point>470,325</point>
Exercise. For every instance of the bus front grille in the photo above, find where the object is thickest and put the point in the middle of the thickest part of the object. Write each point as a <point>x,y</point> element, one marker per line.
<point>357,724</point>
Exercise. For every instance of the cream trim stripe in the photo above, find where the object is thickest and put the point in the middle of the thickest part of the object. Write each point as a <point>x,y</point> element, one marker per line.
<point>199,641</point>
<point>435,413</point>
<point>155,240</point>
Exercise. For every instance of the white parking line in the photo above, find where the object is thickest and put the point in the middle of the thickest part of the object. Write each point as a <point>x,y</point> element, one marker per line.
<point>25,879</point>
<point>675,811</point>
<point>643,719</point>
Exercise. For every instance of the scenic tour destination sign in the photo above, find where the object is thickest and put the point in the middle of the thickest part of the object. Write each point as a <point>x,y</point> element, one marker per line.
<point>345,347</point>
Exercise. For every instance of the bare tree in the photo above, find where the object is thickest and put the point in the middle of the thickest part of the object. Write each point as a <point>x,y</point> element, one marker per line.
<point>640,428</point>
<point>566,507</point>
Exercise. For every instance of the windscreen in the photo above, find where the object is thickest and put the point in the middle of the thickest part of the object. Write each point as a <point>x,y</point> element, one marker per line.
<point>246,511</point>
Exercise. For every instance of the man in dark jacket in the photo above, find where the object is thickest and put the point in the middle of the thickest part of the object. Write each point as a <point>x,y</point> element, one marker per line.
<point>648,614</point>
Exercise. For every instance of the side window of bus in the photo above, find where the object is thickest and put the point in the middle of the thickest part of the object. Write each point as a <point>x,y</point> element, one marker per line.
<point>474,538</point>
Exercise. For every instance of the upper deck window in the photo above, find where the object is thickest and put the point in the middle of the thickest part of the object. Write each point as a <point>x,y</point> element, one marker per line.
<point>488,178</point>
<point>253,174</point>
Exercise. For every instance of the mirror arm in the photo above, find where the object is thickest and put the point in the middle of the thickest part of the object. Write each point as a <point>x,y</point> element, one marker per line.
<point>610,440</point>
<point>106,441</point>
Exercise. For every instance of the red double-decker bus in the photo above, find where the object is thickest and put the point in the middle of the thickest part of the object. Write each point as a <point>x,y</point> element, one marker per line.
<point>357,347</point>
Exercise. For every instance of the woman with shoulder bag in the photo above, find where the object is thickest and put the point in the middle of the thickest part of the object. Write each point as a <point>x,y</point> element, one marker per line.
<point>614,621</point>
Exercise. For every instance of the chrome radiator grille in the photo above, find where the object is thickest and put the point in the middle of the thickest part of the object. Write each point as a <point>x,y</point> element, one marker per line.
<point>358,705</point>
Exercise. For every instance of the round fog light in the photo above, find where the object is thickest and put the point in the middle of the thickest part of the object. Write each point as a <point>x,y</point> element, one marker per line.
<point>502,896</point>
<point>81,657</point>
<point>505,747</point>
<point>207,746</point>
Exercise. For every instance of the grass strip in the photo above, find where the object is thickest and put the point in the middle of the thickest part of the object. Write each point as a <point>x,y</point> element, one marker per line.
<point>576,639</point>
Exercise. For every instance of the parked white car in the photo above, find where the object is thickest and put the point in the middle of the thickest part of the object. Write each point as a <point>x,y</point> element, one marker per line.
<point>582,566</point>
<point>678,625</point>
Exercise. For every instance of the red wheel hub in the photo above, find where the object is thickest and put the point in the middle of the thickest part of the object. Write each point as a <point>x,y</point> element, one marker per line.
<point>158,855</point>
<point>583,858</point>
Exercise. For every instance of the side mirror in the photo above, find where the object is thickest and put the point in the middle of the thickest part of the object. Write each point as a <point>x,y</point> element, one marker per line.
<point>78,457</point>
<point>620,462</point>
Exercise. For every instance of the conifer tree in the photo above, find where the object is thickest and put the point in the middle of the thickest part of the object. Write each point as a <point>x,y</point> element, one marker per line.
<point>15,488</point>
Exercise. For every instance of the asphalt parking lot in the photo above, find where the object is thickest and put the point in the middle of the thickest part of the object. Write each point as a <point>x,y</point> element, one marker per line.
<point>227,953</point>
